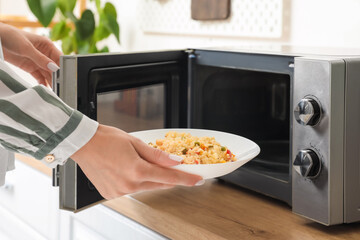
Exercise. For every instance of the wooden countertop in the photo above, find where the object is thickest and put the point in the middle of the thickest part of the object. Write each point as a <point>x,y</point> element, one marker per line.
<point>218,211</point>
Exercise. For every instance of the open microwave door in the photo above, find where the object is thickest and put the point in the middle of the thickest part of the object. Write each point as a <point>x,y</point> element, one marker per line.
<point>112,87</point>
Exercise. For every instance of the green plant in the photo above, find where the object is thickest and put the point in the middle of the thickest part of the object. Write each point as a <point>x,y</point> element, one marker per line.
<point>78,35</point>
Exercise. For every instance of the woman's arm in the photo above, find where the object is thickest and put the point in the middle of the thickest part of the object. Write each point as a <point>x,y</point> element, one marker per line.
<point>35,122</point>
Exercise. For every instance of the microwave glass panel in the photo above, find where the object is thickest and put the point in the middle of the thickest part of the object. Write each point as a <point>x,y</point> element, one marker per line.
<point>252,104</point>
<point>133,109</point>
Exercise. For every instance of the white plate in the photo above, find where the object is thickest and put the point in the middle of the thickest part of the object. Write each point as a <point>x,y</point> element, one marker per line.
<point>243,148</point>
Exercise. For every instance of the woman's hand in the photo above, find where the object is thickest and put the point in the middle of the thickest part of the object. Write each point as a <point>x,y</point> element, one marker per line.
<point>32,53</point>
<point>118,164</point>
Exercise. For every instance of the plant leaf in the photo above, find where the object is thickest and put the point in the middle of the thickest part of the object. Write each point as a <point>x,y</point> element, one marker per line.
<point>93,49</point>
<point>67,45</point>
<point>85,26</point>
<point>83,47</point>
<point>97,2</point>
<point>71,16</point>
<point>109,9</point>
<point>66,6</point>
<point>104,49</point>
<point>109,18</point>
<point>59,31</point>
<point>101,32</point>
<point>113,26</point>
<point>44,10</point>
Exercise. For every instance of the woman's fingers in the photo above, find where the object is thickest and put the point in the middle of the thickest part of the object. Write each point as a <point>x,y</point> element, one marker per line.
<point>155,155</point>
<point>26,64</point>
<point>39,77</point>
<point>20,61</point>
<point>44,78</point>
<point>170,176</point>
<point>45,46</point>
<point>155,171</point>
<point>29,46</point>
<point>27,50</point>
<point>47,78</point>
<point>30,52</point>
<point>41,60</point>
<point>146,186</point>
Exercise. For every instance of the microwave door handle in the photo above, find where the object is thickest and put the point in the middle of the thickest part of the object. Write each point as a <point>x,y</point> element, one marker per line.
<point>55,80</point>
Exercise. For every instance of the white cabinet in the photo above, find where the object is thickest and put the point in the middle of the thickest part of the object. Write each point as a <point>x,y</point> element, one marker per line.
<point>12,227</point>
<point>28,205</point>
<point>29,209</point>
<point>100,223</point>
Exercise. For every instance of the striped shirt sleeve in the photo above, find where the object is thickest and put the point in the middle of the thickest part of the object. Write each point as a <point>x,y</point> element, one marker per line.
<point>36,122</point>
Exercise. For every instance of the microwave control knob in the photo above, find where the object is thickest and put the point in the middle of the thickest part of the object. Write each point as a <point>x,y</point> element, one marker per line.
<point>307,112</point>
<point>307,163</point>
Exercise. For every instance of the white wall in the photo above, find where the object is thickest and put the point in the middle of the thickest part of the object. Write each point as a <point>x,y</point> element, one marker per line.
<point>311,23</point>
<point>14,7</point>
<point>133,38</point>
<point>326,23</point>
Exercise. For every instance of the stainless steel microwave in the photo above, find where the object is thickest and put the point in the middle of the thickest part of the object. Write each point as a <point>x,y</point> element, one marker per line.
<point>303,110</point>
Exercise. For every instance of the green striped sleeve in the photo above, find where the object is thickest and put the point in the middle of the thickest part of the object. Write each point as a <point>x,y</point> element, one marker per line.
<point>60,135</point>
<point>14,148</point>
<point>11,83</point>
<point>47,97</point>
<point>29,138</point>
<point>12,111</point>
<point>32,120</point>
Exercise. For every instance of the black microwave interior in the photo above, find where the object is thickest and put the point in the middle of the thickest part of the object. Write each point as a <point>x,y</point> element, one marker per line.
<point>248,95</point>
<point>133,109</point>
<point>252,104</point>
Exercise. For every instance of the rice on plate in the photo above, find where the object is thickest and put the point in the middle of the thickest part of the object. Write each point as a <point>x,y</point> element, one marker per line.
<point>194,150</point>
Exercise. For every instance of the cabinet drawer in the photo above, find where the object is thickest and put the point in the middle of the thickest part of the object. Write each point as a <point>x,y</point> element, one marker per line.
<point>100,222</point>
<point>13,228</point>
<point>29,195</point>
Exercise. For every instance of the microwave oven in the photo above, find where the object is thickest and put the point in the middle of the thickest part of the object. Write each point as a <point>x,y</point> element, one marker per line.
<point>302,109</point>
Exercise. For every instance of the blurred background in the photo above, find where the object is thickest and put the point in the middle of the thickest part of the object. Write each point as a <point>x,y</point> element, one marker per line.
<point>168,24</point>
<point>159,24</point>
